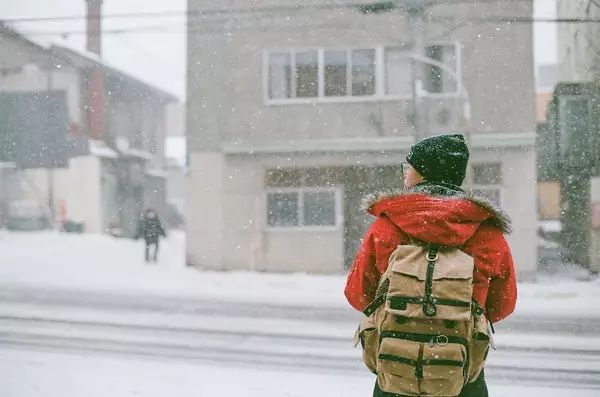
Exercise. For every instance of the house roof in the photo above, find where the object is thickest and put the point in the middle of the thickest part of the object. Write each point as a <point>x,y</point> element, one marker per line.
<point>86,59</point>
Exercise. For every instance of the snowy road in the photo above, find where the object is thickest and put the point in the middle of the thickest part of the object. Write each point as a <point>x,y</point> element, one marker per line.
<point>271,349</point>
<point>169,304</point>
<point>532,352</point>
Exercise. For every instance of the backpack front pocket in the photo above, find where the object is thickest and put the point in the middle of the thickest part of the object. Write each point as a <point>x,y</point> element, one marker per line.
<point>397,365</point>
<point>398,357</point>
<point>479,347</point>
<point>443,369</point>
<point>368,337</point>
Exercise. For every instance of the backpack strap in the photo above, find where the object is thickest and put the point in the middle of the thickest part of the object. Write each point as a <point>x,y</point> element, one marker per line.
<point>374,305</point>
<point>380,295</point>
<point>429,306</point>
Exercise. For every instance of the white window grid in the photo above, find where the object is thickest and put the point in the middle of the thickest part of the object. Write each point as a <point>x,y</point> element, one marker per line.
<point>301,190</point>
<point>380,94</point>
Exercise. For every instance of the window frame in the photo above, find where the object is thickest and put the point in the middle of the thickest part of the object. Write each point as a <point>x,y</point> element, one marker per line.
<point>301,191</point>
<point>380,94</point>
<point>459,76</point>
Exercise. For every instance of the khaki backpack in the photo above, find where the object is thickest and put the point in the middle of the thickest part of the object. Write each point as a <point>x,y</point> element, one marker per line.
<point>424,335</point>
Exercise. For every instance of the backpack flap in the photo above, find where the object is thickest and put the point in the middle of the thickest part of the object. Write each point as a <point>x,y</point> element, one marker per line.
<point>420,288</point>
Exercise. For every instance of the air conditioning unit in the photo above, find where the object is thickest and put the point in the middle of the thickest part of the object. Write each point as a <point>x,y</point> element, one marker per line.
<point>443,114</point>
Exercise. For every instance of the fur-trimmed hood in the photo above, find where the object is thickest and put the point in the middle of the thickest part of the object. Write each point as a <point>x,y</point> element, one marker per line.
<point>440,214</point>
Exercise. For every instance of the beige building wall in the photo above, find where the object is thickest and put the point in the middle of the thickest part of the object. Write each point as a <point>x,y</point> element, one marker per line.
<point>78,186</point>
<point>518,199</point>
<point>204,210</point>
<point>247,243</point>
<point>549,200</point>
<point>235,133</point>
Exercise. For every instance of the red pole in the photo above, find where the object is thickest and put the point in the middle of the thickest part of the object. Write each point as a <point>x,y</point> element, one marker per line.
<point>96,98</point>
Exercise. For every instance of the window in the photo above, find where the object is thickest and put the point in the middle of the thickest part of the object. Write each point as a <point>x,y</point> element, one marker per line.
<point>344,72</point>
<point>336,73</point>
<point>363,72</point>
<point>487,174</point>
<point>280,76</point>
<point>398,72</point>
<point>308,207</point>
<point>319,208</point>
<point>307,74</point>
<point>352,74</point>
<point>282,209</point>
<point>487,181</point>
<point>436,79</point>
<point>490,193</point>
<point>574,122</point>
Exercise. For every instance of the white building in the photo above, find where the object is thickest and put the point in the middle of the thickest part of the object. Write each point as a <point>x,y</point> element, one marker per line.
<point>296,111</point>
<point>104,182</point>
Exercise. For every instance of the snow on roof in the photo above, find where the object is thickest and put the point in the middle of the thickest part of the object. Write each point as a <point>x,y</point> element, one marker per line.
<point>7,165</point>
<point>99,149</point>
<point>156,173</point>
<point>138,153</point>
<point>89,59</point>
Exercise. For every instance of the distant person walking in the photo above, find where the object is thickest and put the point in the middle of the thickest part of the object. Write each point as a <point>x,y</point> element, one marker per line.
<point>151,230</point>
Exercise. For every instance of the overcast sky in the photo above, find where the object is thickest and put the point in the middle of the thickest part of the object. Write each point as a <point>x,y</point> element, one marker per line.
<point>158,57</point>
<point>154,56</point>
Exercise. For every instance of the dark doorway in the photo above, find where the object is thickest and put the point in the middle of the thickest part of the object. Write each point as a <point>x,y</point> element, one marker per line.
<point>359,182</point>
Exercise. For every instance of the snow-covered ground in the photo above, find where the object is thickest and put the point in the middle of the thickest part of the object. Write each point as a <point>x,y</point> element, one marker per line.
<point>52,374</point>
<point>83,315</point>
<point>102,263</point>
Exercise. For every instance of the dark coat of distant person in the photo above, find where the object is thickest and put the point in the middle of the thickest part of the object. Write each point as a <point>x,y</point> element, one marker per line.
<point>150,228</point>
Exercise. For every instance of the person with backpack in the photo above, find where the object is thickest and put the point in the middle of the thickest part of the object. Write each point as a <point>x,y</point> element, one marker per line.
<point>431,272</point>
<point>151,230</point>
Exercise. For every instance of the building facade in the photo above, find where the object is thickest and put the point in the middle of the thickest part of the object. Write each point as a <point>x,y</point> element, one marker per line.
<point>578,43</point>
<point>575,131</point>
<point>106,180</point>
<point>297,111</point>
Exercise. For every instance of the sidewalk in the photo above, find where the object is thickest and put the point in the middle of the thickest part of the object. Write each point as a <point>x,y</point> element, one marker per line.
<point>100,264</point>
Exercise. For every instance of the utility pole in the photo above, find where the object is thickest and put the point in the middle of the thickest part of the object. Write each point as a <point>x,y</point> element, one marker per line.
<point>50,169</point>
<point>416,10</point>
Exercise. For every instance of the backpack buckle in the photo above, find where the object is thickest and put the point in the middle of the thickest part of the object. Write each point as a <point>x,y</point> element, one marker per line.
<point>429,307</point>
<point>432,256</point>
<point>441,340</point>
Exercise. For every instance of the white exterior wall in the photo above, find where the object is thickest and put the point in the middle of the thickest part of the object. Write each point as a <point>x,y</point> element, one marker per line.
<point>578,43</point>
<point>595,231</point>
<point>79,186</point>
<point>248,244</point>
<point>32,78</point>
<point>228,112</point>
<point>518,200</point>
<point>254,246</point>
<point>204,210</point>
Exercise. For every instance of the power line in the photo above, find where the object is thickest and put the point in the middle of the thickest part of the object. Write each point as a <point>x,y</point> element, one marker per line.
<point>197,13</point>
<point>187,27</point>
<point>332,5</point>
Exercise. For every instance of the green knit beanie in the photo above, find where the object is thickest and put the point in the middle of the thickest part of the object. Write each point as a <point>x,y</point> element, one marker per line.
<point>441,158</point>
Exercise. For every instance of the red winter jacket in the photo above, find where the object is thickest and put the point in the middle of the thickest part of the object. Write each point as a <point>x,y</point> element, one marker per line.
<point>460,220</point>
